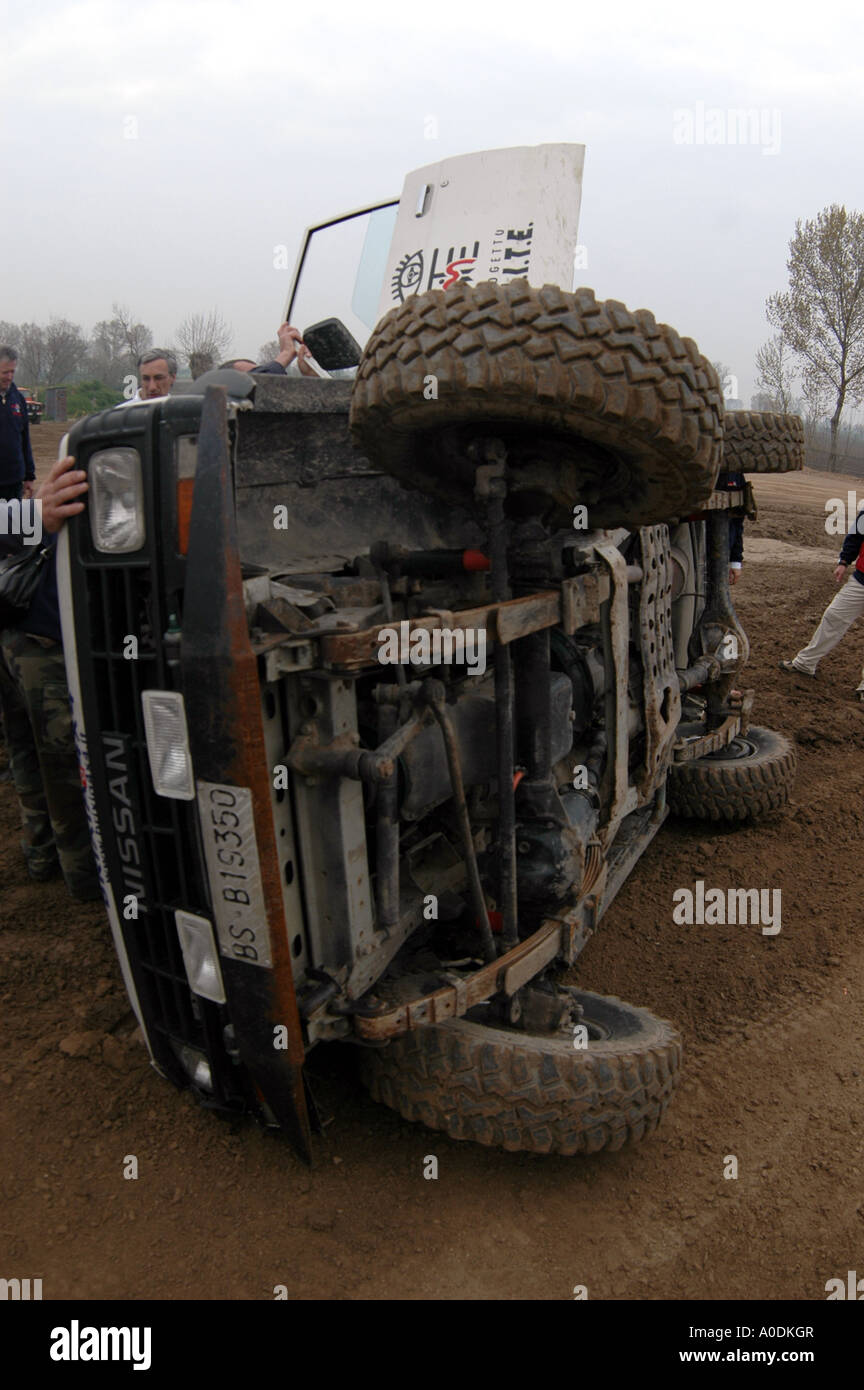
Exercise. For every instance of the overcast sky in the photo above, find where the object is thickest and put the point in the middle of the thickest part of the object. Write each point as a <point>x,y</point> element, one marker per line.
<point>157,152</point>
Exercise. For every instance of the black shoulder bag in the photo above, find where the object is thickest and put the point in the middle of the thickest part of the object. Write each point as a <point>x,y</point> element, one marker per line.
<point>19,580</point>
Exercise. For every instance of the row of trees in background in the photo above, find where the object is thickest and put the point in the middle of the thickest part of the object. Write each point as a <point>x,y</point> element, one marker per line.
<point>814,364</point>
<point>59,352</point>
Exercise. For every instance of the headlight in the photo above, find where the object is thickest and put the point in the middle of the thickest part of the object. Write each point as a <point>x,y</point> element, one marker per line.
<point>195,1065</point>
<point>200,956</point>
<point>168,744</point>
<point>116,500</point>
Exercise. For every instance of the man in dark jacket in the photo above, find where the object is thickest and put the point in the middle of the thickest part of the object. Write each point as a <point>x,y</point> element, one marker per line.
<point>34,698</point>
<point>736,527</point>
<point>841,612</point>
<point>17,471</point>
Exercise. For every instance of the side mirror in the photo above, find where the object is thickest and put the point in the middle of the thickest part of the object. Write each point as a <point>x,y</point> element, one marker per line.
<point>332,346</point>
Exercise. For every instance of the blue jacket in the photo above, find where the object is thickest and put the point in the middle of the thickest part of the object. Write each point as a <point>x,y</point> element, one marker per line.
<point>43,615</point>
<point>16,456</point>
<point>850,551</point>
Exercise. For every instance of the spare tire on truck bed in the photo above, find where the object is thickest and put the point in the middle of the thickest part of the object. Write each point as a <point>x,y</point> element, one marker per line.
<point>596,405</point>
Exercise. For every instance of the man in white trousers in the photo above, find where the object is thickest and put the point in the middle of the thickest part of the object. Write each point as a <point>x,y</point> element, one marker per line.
<point>841,612</point>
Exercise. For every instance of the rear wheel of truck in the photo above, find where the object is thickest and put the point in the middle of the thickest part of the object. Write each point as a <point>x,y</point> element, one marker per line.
<point>597,406</point>
<point>758,442</point>
<point>530,1092</point>
<point>752,777</point>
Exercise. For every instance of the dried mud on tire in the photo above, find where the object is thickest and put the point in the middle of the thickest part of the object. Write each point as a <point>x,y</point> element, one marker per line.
<point>518,1091</point>
<point>596,405</point>
<point>735,789</point>
<point>759,442</point>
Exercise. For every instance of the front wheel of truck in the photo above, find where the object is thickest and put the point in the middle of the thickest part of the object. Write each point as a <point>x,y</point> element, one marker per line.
<point>573,1093</point>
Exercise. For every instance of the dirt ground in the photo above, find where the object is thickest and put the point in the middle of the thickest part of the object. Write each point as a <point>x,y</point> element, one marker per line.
<point>774,1052</point>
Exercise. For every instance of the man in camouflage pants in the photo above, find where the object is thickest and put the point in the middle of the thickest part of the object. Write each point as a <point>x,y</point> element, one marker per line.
<point>34,697</point>
<point>43,761</point>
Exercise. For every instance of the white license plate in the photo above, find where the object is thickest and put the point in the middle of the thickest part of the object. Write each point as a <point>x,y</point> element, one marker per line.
<point>231,850</point>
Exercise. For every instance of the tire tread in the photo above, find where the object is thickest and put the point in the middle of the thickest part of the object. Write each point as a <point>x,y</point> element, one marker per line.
<point>508,1090</point>
<point>757,441</point>
<point>738,789</point>
<point>568,364</point>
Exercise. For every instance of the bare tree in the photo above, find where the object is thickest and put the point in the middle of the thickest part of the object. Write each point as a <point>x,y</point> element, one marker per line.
<point>116,345</point>
<point>31,354</point>
<point>109,359</point>
<point>814,392</point>
<point>47,354</point>
<point>65,350</point>
<point>199,363</point>
<point>726,379</point>
<point>822,314</point>
<point>776,374</point>
<point>203,339</point>
<point>10,336</point>
<point>136,336</point>
<point>268,352</point>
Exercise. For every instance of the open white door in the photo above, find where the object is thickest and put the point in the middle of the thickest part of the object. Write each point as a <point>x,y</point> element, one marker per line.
<point>496,215</point>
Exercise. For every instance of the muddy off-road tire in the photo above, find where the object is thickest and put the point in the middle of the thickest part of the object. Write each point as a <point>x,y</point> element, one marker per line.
<point>539,1094</point>
<point>752,777</point>
<point>596,405</point>
<point>758,442</point>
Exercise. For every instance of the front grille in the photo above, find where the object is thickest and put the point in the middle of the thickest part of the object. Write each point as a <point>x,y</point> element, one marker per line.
<point>151,843</point>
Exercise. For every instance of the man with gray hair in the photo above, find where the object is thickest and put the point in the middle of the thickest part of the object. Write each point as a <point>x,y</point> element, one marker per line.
<point>157,370</point>
<point>17,470</point>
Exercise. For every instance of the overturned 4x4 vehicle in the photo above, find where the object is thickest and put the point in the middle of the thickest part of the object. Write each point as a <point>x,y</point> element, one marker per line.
<point>382,688</point>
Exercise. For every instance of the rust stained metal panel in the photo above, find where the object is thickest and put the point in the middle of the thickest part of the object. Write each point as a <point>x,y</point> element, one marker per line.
<point>685,750</point>
<point>223,704</point>
<point>533,961</point>
<point>581,599</point>
<point>721,501</point>
<point>504,622</point>
<point>453,1000</point>
<point>661,694</point>
<point>520,616</point>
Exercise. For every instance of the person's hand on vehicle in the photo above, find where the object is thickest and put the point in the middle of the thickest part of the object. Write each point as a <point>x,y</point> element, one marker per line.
<point>302,353</point>
<point>291,345</point>
<point>58,494</point>
<point>839,574</point>
<point>290,339</point>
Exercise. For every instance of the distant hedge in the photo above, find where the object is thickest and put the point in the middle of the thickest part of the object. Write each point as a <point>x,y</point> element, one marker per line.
<point>88,396</point>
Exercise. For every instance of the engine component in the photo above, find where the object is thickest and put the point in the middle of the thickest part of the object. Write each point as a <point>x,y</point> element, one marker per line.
<point>473,716</point>
<point>551,850</point>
